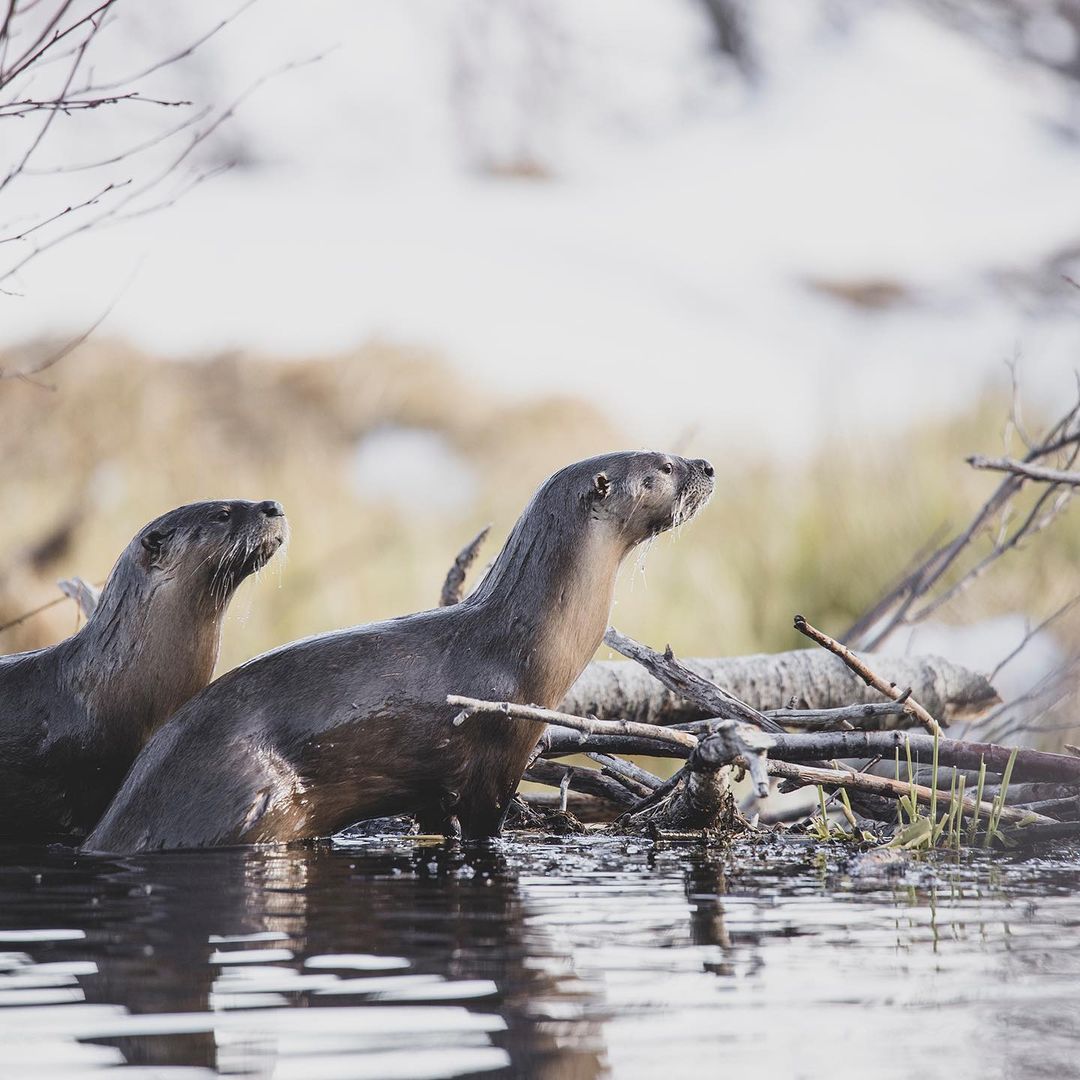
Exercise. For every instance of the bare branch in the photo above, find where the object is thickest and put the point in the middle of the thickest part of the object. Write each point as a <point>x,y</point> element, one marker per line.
<point>454,585</point>
<point>1020,468</point>
<point>893,789</point>
<point>898,606</point>
<point>589,726</point>
<point>890,690</point>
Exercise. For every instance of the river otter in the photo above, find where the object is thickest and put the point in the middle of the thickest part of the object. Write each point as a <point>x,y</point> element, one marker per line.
<point>74,716</point>
<point>318,734</point>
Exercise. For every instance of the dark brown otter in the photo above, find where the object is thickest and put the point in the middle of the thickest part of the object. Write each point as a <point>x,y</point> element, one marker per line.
<point>73,717</point>
<point>316,735</point>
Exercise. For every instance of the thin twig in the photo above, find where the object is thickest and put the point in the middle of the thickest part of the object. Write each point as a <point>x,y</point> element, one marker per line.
<point>689,684</point>
<point>885,785</point>
<point>588,725</point>
<point>871,678</point>
<point>1020,468</point>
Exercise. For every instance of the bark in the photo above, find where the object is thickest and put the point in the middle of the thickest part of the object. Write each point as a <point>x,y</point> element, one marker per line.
<point>702,801</point>
<point>814,678</point>
<point>1029,765</point>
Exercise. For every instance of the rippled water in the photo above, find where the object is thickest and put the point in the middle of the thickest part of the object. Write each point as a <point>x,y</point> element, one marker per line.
<point>549,958</point>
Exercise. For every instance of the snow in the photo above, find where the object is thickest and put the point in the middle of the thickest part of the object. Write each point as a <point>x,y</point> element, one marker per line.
<point>662,265</point>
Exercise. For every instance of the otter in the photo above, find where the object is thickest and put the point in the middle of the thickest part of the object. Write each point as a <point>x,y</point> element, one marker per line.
<point>74,716</point>
<point>318,734</point>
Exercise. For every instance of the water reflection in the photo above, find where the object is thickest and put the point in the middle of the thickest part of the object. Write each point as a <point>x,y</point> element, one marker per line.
<point>560,958</point>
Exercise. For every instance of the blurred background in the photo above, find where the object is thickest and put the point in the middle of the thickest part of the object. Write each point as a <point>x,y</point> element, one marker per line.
<point>393,263</point>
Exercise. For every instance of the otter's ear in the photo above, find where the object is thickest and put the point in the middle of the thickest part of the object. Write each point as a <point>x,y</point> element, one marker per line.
<point>601,485</point>
<point>153,542</point>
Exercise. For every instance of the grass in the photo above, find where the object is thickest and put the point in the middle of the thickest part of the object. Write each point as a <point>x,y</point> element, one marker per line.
<point>125,436</point>
<point>920,829</point>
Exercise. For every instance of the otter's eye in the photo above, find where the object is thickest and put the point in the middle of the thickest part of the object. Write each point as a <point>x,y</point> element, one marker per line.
<point>667,468</point>
<point>223,514</point>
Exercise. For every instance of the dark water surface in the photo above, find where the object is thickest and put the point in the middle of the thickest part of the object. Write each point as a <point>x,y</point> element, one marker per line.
<point>549,958</point>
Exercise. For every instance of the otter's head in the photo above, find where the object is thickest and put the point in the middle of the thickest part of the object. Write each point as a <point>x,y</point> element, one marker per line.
<point>207,548</point>
<point>642,494</point>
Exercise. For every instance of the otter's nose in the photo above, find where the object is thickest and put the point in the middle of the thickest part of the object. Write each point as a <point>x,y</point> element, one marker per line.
<point>705,466</point>
<point>271,508</point>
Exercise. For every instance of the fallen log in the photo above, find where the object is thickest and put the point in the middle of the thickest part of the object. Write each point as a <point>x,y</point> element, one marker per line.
<point>1030,764</point>
<point>769,681</point>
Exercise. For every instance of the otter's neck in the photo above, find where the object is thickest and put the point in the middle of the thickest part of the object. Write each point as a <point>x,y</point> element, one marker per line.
<point>140,656</point>
<point>547,599</point>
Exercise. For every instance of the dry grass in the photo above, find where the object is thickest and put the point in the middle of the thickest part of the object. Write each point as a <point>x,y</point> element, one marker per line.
<point>124,437</point>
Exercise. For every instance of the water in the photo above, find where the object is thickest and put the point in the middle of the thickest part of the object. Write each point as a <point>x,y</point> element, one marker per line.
<point>548,958</point>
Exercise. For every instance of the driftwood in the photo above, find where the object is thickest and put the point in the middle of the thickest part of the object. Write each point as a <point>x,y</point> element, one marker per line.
<point>701,801</point>
<point>815,679</point>
<point>700,797</point>
<point>1029,764</point>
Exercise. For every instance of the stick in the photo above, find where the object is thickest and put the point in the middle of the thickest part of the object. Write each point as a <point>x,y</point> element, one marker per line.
<point>1029,472</point>
<point>1031,765</point>
<point>1061,809</point>
<point>689,684</point>
<point>454,585</point>
<point>587,781</point>
<point>566,742</point>
<point>890,690</point>
<point>844,718</point>
<point>590,726</point>
<point>884,785</point>
<point>643,782</point>
<point>665,789</point>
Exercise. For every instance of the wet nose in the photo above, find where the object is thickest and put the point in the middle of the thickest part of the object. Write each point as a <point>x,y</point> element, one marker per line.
<point>271,508</point>
<point>705,466</point>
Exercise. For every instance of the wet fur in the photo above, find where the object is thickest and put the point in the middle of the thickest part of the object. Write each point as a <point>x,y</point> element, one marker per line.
<point>314,736</point>
<point>74,716</point>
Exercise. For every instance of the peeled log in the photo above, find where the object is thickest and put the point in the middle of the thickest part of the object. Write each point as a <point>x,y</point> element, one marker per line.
<point>815,678</point>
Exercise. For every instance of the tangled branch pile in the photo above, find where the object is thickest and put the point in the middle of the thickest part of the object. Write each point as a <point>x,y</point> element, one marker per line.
<point>829,721</point>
